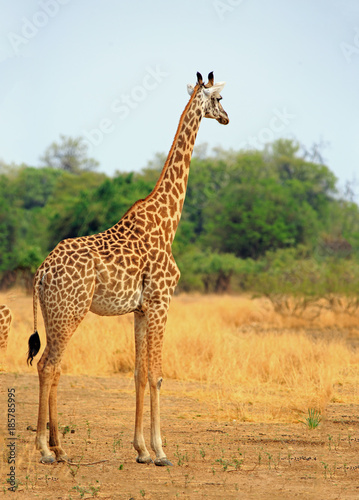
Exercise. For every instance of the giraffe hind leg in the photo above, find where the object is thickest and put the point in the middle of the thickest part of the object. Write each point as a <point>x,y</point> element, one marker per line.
<point>46,373</point>
<point>54,440</point>
<point>63,311</point>
<point>49,370</point>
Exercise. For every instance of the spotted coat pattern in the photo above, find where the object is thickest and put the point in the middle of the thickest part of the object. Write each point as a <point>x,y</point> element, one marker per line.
<point>128,268</point>
<point>5,322</point>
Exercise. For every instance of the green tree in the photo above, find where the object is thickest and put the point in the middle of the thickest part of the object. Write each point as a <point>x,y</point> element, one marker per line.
<point>266,200</point>
<point>8,235</point>
<point>208,271</point>
<point>250,219</point>
<point>69,155</point>
<point>96,209</point>
<point>32,187</point>
<point>253,220</point>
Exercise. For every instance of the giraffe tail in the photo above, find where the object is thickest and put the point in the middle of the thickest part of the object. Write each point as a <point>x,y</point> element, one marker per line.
<point>34,347</point>
<point>34,339</point>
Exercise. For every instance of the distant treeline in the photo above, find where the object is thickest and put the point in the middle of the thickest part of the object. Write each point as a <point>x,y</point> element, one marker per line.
<point>269,221</point>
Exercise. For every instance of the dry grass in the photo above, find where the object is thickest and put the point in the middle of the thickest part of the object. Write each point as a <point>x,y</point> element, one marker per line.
<point>252,363</point>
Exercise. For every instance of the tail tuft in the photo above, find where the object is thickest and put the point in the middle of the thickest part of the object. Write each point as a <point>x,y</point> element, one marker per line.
<point>34,347</point>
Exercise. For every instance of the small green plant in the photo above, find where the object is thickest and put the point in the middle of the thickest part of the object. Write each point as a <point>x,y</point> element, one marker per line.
<point>339,441</point>
<point>74,468</point>
<point>181,458</point>
<point>202,453</point>
<point>67,429</point>
<point>88,429</point>
<point>238,463</point>
<point>13,486</point>
<point>235,462</point>
<point>117,442</point>
<point>224,463</point>
<point>170,475</point>
<point>325,466</point>
<point>269,459</point>
<point>27,477</point>
<point>329,470</point>
<point>81,490</point>
<point>313,419</point>
<point>188,479</point>
<point>93,490</point>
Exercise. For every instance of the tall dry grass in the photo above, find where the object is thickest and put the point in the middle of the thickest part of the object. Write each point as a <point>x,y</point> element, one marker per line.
<point>249,362</point>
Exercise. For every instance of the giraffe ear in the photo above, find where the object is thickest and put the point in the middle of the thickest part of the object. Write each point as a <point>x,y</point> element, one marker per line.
<point>190,88</point>
<point>216,89</point>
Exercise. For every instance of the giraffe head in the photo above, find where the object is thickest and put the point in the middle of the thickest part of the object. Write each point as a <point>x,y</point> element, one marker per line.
<point>210,93</point>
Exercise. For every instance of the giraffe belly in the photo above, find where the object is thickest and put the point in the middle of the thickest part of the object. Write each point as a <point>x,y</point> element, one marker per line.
<point>115,303</point>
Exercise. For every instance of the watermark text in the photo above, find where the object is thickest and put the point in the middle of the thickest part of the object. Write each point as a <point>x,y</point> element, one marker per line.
<point>11,446</point>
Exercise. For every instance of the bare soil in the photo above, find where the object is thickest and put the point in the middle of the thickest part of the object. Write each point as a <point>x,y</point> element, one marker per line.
<point>211,459</point>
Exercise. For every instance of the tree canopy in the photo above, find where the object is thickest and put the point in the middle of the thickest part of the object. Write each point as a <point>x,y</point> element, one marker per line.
<point>70,154</point>
<point>241,208</point>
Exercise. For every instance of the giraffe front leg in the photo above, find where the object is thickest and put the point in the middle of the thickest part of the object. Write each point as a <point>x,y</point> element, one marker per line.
<point>155,340</point>
<point>54,440</point>
<point>143,456</point>
<point>156,440</point>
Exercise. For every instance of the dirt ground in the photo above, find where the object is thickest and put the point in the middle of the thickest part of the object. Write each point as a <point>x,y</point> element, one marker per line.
<point>211,459</point>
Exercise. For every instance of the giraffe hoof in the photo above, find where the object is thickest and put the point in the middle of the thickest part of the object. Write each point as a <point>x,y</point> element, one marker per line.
<point>63,458</point>
<point>48,459</point>
<point>145,460</point>
<point>162,462</point>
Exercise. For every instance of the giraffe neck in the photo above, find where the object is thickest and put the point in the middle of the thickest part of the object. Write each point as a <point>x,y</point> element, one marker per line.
<point>169,193</point>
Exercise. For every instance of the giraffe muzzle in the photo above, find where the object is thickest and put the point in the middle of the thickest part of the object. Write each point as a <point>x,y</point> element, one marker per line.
<point>223,119</point>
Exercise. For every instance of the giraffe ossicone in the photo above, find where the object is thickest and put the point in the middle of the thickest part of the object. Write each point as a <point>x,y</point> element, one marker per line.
<point>128,268</point>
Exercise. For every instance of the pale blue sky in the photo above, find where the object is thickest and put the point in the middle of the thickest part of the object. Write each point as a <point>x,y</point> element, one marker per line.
<point>75,67</point>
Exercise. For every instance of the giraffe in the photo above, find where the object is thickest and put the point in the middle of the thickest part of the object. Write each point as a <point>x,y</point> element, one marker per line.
<point>5,322</point>
<point>127,268</point>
